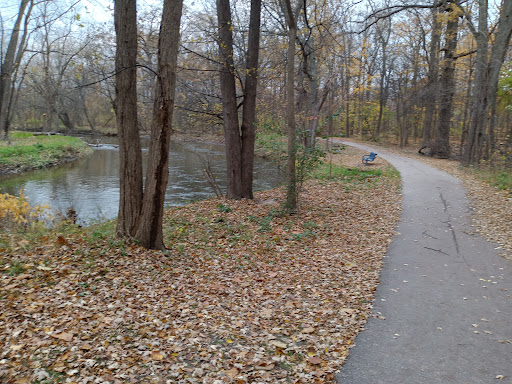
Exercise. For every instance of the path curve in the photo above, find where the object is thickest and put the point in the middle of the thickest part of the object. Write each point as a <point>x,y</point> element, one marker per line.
<point>443,309</point>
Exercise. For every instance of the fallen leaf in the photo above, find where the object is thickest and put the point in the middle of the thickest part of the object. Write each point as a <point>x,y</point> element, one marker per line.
<point>86,347</point>
<point>266,312</point>
<point>233,372</point>
<point>265,366</point>
<point>315,360</point>
<point>63,336</point>
<point>157,355</point>
<point>17,347</point>
<point>278,344</point>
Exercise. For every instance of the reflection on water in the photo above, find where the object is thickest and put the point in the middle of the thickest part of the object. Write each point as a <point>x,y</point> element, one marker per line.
<point>91,186</point>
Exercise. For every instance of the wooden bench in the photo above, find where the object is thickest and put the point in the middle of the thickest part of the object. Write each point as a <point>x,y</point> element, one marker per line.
<point>369,158</point>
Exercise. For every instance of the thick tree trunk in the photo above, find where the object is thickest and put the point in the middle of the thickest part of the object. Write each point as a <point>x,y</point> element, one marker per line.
<point>441,146</point>
<point>479,108</point>
<point>486,77</point>
<point>249,112</point>
<point>496,59</point>
<point>130,183</point>
<point>432,86</point>
<point>150,232</point>
<point>229,105</point>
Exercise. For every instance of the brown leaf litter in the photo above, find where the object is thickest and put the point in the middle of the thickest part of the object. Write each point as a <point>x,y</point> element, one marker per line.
<point>243,295</point>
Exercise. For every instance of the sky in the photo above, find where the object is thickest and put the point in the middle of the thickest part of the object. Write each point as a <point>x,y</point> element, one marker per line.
<point>98,10</point>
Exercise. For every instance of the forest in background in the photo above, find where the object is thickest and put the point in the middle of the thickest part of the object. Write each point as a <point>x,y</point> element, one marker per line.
<point>379,70</point>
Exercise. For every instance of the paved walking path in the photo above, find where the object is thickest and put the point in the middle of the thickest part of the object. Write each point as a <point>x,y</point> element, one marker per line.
<point>444,304</point>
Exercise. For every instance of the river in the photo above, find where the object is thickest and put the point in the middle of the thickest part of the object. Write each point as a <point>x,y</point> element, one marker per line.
<point>91,186</point>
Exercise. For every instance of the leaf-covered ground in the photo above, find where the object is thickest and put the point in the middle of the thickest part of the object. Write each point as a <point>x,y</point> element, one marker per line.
<point>243,295</point>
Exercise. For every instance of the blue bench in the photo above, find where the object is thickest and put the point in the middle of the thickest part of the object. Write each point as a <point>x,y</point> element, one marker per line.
<point>369,158</point>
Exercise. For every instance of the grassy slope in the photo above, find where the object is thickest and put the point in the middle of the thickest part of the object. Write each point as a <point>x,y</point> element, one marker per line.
<point>29,152</point>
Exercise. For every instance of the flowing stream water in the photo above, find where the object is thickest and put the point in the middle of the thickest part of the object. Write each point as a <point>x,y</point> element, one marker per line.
<point>91,186</point>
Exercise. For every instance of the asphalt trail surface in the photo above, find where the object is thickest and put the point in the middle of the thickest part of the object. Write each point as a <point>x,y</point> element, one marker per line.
<point>443,309</point>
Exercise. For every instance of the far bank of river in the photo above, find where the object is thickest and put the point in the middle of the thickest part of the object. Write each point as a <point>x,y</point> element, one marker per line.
<point>26,151</point>
<point>90,186</point>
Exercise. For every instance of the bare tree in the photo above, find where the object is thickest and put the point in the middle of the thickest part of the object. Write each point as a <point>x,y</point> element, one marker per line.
<point>239,141</point>
<point>441,145</point>
<point>432,85</point>
<point>150,232</point>
<point>143,211</point>
<point>486,75</point>
<point>130,173</point>
<point>10,62</point>
<point>291,16</point>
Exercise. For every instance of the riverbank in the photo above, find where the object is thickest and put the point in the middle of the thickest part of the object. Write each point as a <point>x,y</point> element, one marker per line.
<point>26,151</point>
<point>243,294</point>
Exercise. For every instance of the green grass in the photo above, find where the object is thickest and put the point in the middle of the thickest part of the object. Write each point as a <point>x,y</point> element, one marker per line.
<point>326,171</point>
<point>498,178</point>
<point>15,268</point>
<point>271,143</point>
<point>28,151</point>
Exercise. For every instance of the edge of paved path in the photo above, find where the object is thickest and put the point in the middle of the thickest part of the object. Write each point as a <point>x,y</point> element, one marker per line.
<point>442,312</point>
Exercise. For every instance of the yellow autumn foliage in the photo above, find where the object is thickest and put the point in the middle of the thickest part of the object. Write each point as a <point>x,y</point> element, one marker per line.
<point>17,211</point>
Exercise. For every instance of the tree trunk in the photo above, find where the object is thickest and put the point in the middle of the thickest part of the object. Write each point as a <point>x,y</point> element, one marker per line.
<point>441,146</point>
<point>130,173</point>
<point>248,129</point>
<point>310,89</point>
<point>7,68</point>
<point>66,120</point>
<point>150,232</point>
<point>291,21</point>
<point>496,59</point>
<point>486,77</point>
<point>432,86</point>
<point>384,39</point>
<point>348,123</point>
<point>466,108</point>
<point>229,105</point>
<point>14,76</point>
<point>479,108</point>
